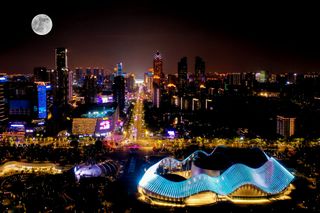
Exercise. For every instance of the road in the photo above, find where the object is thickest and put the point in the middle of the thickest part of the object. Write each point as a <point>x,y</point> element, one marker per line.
<point>138,133</point>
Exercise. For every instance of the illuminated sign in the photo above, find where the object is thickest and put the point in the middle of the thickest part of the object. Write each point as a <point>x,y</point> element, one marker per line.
<point>104,125</point>
<point>171,134</point>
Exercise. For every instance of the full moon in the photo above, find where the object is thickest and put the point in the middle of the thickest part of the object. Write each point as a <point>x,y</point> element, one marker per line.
<point>41,24</point>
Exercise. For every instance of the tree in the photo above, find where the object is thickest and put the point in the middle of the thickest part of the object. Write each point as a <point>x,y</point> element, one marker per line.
<point>74,143</point>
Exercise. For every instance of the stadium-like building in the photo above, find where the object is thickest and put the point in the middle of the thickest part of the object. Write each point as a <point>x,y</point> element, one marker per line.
<point>227,174</point>
<point>108,168</point>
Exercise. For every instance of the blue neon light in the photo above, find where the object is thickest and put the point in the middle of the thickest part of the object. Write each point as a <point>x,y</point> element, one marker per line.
<point>3,79</point>
<point>272,178</point>
<point>42,101</point>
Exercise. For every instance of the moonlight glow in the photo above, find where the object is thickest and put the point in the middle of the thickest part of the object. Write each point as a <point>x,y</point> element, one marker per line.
<point>41,24</point>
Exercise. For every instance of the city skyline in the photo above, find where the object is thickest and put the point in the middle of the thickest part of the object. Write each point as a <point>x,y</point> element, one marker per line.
<point>104,33</point>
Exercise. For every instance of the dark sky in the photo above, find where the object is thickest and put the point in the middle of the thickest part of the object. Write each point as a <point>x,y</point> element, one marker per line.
<point>230,37</point>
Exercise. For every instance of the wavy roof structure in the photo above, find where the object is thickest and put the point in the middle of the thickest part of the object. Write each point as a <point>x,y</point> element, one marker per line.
<point>271,178</point>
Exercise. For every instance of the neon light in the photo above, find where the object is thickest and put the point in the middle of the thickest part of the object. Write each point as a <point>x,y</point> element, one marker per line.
<point>104,125</point>
<point>17,125</point>
<point>42,101</point>
<point>271,178</point>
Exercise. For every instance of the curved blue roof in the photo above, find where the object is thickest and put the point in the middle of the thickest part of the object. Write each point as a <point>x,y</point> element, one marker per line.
<point>271,177</point>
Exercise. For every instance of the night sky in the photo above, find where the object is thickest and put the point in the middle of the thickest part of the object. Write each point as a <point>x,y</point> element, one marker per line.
<point>230,37</point>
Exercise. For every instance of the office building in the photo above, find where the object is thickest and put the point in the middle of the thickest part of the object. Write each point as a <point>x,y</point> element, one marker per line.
<point>3,105</point>
<point>199,71</point>
<point>285,126</point>
<point>61,86</point>
<point>157,67</point>
<point>119,91</point>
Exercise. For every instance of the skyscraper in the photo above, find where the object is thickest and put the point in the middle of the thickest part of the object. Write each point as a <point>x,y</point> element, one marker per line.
<point>156,94</point>
<point>78,76</point>
<point>118,87</point>
<point>199,71</point>
<point>148,80</point>
<point>157,67</point>
<point>90,88</point>
<point>130,82</point>
<point>182,74</point>
<point>285,126</point>
<point>3,106</point>
<point>119,91</point>
<point>62,76</point>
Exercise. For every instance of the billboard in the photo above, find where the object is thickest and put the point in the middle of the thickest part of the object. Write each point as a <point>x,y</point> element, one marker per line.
<point>104,125</point>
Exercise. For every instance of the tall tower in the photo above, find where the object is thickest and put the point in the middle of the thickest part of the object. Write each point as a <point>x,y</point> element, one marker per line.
<point>3,105</point>
<point>199,71</point>
<point>119,88</point>
<point>182,74</point>
<point>62,77</point>
<point>119,91</point>
<point>157,67</point>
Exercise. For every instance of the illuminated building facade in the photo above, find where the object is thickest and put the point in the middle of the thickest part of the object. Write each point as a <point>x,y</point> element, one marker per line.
<point>285,126</point>
<point>130,82</point>
<point>157,67</point>
<point>106,168</point>
<point>234,79</point>
<point>224,175</point>
<point>3,105</point>
<point>148,80</point>
<point>156,95</point>
<point>199,71</point>
<point>95,120</point>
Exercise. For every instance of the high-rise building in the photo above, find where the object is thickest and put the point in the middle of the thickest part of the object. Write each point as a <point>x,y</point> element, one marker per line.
<point>3,105</point>
<point>156,94</point>
<point>78,76</point>
<point>285,126</point>
<point>148,81</point>
<point>41,101</point>
<point>119,91</point>
<point>88,71</point>
<point>157,67</point>
<point>70,85</point>
<point>130,82</point>
<point>182,74</point>
<point>234,79</point>
<point>199,71</point>
<point>262,76</point>
<point>61,94</point>
<point>41,74</point>
<point>90,89</point>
